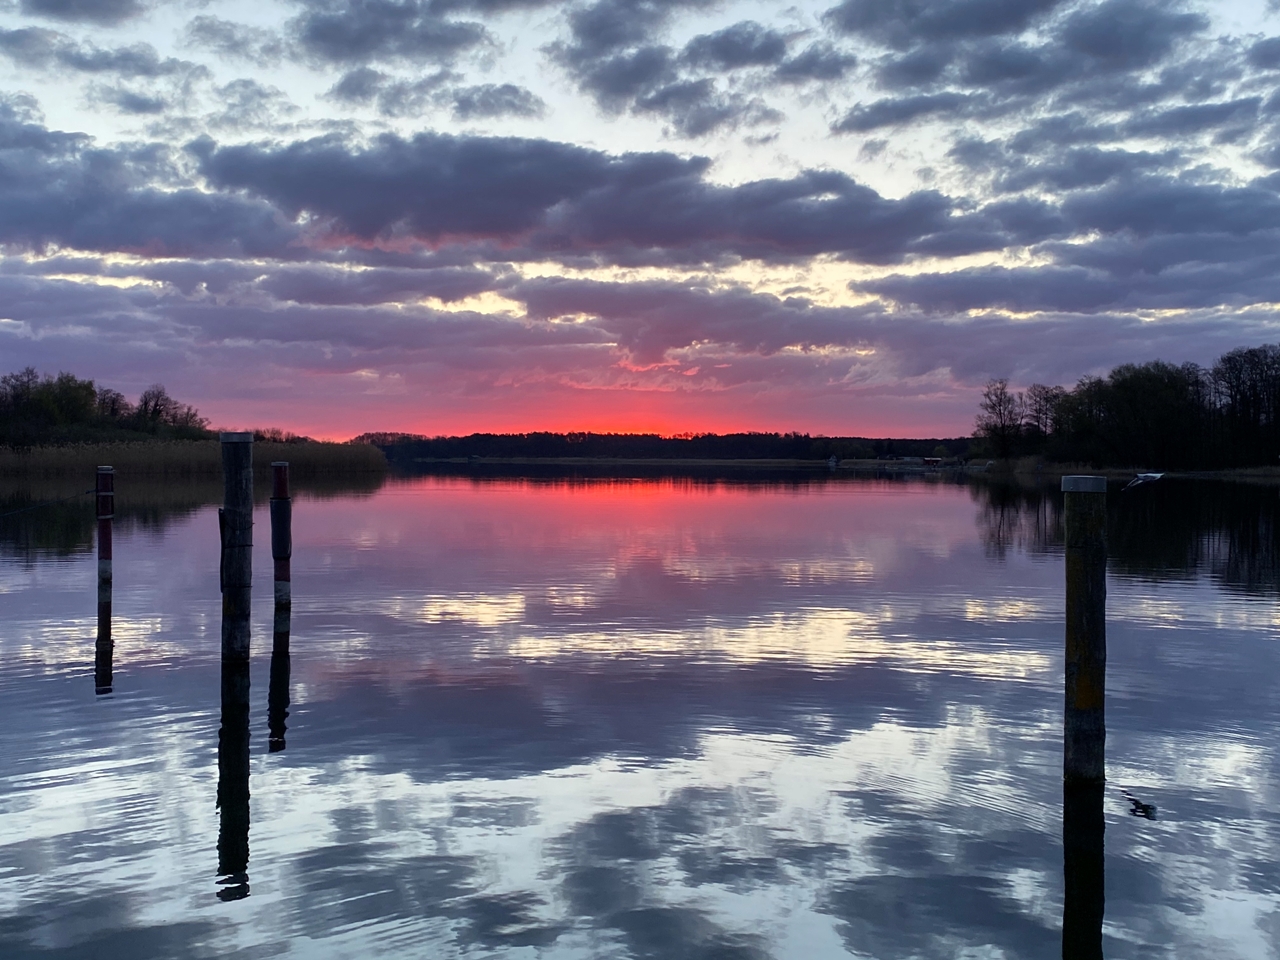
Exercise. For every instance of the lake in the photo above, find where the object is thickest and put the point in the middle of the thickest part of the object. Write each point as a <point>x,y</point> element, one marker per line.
<point>692,717</point>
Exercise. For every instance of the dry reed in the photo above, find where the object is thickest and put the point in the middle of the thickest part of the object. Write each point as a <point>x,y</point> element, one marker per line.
<point>187,458</point>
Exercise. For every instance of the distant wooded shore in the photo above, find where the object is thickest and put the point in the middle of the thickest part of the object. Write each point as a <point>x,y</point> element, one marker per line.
<point>186,458</point>
<point>800,448</point>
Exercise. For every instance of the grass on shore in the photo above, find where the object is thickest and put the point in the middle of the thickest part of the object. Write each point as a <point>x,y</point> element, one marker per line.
<point>187,458</point>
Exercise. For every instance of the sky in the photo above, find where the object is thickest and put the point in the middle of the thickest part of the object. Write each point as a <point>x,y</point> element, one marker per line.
<point>446,216</point>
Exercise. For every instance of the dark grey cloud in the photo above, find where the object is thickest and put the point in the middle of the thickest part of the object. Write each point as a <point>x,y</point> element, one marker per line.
<point>488,100</point>
<point>357,31</point>
<point>558,197</point>
<point>393,96</point>
<point>986,63</point>
<point>1265,54</point>
<point>1129,33</point>
<point>1232,118</point>
<point>606,26</point>
<point>1079,289</point>
<point>1155,205</point>
<point>745,44</point>
<point>48,49</point>
<point>255,44</point>
<point>334,287</point>
<point>105,12</point>
<point>1081,167</point>
<point>613,57</point>
<point>396,97</point>
<point>1156,242</point>
<point>892,111</point>
<point>905,23</point>
<point>245,104</point>
<point>652,319</point>
<point>697,107</point>
<point>129,101</point>
<point>818,61</point>
<point>60,189</point>
<point>360,85</point>
<point>618,80</point>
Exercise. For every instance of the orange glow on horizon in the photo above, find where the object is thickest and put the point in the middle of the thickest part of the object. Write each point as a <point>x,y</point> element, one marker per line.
<point>663,413</point>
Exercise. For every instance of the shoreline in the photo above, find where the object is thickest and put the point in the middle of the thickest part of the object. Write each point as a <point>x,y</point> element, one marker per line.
<point>185,458</point>
<point>202,459</point>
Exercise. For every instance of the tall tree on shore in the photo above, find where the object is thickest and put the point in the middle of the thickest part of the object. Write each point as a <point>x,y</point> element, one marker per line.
<point>1000,416</point>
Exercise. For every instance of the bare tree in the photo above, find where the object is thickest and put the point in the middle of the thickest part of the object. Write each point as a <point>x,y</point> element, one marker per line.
<point>155,405</point>
<point>1042,408</point>
<point>1000,416</point>
<point>112,404</point>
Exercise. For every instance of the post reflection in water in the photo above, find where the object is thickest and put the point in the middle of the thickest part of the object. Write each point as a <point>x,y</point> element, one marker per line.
<point>661,720</point>
<point>103,649</point>
<point>233,782</point>
<point>1083,827</point>
<point>278,685</point>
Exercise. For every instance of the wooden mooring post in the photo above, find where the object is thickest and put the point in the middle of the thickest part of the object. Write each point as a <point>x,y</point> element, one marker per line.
<point>1085,728</point>
<point>105,503</point>
<point>1084,722</point>
<point>281,532</point>
<point>235,523</point>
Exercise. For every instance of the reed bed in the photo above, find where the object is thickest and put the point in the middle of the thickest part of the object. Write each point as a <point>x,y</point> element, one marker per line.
<point>187,458</point>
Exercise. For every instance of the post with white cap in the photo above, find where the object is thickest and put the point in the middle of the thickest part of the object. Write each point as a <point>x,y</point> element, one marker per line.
<point>235,521</point>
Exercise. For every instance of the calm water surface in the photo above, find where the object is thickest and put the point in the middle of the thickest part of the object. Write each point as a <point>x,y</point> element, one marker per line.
<point>651,719</point>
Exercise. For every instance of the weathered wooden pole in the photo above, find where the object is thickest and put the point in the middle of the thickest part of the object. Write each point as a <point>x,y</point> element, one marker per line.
<point>1084,724</point>
<point>233,781</point>
<point>1085,728</point>
<point>281,532</point>
<point>105,501</point>
<point>235,521</point>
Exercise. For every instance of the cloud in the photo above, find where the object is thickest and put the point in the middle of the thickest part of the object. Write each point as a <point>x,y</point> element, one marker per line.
<point>991,58</point>
<point>60,189</point>
<point>105,12</point>
<point>1265,54</point>
<point>905,23</point>
<point>358,31</point>
<point>395,97</point>
<point>745,44</point>
<point>48,49</point>
<point>819,61</point>
<point>893,111</point>
<point>1155,242</point>
<point>1129,33</point>
<point>558,198</point>
<point>129,101</point>
<point>489,100</point>
<point>235,40</point>
<point>245,104</point>
<point>613,58</point>
<point>336,287</point>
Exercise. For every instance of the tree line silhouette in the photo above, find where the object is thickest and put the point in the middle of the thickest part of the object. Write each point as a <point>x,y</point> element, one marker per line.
<point>37,410</point>
<point>408,448</point>
<point>1153,414</point>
